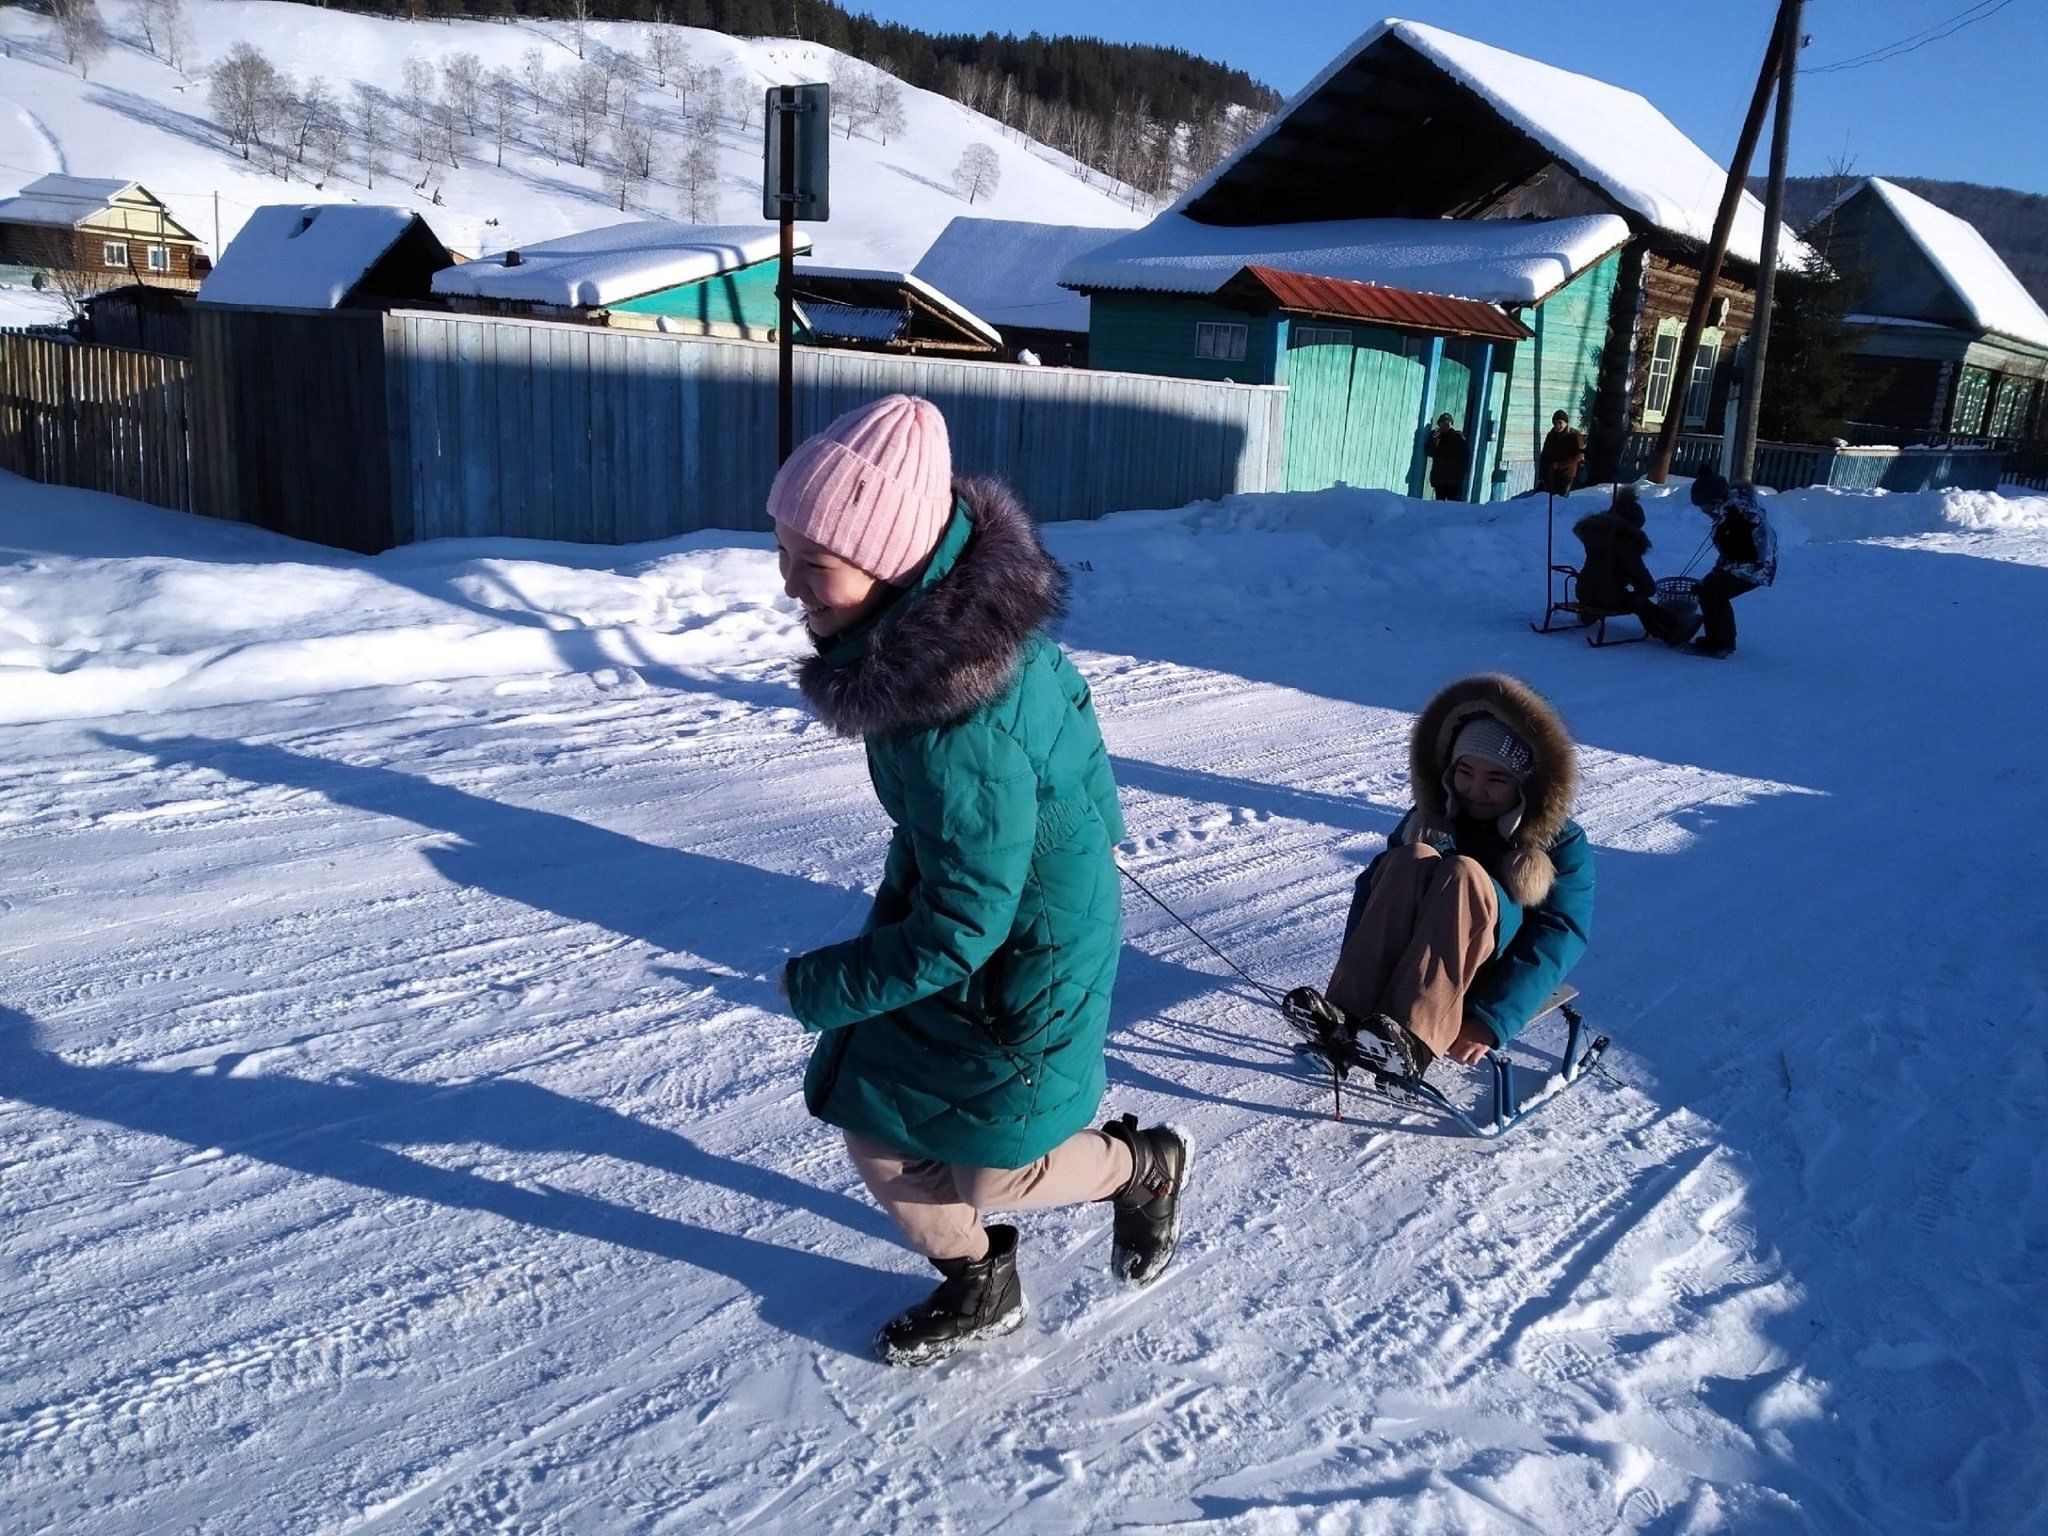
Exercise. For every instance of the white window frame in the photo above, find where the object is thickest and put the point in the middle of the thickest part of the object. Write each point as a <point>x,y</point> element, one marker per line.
<point>1657,392</point>
<point>108,256</point>
<point>1704,362</point>
<point>159,258</point>
<point>1222,341</point>
<point>1321,336</point>
<point>1973,390</point>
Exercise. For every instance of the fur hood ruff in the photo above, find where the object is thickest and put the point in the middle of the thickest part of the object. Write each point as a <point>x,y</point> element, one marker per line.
<point>949,647</point>
<point>1547,794</point>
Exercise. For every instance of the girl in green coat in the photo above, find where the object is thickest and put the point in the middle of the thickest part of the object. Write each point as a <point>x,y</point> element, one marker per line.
<point>961,1034</point>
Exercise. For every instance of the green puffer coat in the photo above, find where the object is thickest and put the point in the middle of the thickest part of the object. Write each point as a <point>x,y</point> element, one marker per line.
<point>967,1021</point>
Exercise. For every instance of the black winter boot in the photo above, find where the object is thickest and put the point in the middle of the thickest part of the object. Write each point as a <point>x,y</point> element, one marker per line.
<point>1147,1223</point>
<point>1403,1050</point>
<point>978,1299</point>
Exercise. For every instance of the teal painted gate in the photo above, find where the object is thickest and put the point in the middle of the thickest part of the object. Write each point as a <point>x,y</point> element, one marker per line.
<point>1352,406</point>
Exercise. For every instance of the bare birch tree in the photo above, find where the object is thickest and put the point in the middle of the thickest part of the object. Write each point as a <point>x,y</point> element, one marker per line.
<point>462,83</point>
<point>373,132</point>
<point>979,172</point>
<point>890,116</point>
<point>698,177</point>
<point>243,94</point>
<point>501,107</point>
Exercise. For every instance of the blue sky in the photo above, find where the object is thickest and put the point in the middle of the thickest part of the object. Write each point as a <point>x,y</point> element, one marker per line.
<point>1973,107</point>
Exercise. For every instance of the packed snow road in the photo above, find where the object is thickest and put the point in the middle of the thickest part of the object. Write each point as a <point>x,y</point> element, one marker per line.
<point>400,1132</point>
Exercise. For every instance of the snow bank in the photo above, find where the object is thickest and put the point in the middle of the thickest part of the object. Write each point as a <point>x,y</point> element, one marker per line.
<point>107,607</point>
<point>1499,261</point>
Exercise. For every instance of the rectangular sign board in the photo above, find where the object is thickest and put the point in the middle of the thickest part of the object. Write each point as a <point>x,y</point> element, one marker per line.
<point>795,170</point>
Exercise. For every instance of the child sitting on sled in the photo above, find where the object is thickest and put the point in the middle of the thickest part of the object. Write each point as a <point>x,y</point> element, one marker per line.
<point>1482,901</point>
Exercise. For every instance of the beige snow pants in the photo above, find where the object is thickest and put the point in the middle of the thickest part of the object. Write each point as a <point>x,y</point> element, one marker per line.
<point>939,1205</point>
<point>1428,926</point>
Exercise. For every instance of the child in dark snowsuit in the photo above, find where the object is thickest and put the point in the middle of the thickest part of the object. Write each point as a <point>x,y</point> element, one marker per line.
<point>1613,577</point>
<point>1746,553</point>
<point>1483,900</point>
<point>960,1036</point>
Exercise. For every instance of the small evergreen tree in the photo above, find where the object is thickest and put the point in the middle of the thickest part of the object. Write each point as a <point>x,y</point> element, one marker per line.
<point>1811,388</point>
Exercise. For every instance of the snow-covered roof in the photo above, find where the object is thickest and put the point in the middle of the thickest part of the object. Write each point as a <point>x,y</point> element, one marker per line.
<point>65,201</point>
<point>1009,271</point>
<point>1498,261</point>
<point>916,285</point>
<point>618,262</point>
<point>1608,136</point>
<point>1975,273</point>
<point>303,255</point>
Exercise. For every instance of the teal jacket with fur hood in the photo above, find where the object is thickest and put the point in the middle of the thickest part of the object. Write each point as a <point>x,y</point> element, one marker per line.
<point>1542,866</point>
<point>967,1021</point>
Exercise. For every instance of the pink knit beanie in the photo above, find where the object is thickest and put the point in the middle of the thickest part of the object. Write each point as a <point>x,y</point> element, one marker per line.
<point>875,487</point>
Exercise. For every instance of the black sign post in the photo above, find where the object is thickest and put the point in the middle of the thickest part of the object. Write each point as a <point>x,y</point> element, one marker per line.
<point>795,184</point>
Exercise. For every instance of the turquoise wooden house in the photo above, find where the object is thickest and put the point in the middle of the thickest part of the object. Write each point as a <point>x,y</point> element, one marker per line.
<point>647,274</point>
<point>1411,162</point>
<point>1376,326</point>
<point>1948,342</point>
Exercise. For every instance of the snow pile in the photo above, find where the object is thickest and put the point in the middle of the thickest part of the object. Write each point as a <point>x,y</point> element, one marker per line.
<point>1499,261</point>
<point>614,263</point>
<point>402,1131</point>
<point>303,256</point>
<point>138,119</point>
<point>1008,270</point>
<point>1611,137</point>
<point>1974,272</point>
<point>196,613</point>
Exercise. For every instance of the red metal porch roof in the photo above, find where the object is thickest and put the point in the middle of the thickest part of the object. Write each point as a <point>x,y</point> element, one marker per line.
<point>1385,306</point>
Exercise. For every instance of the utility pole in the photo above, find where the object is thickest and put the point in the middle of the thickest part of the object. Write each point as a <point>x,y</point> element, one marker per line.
<point>1767,278</point>
<point>1717,247</point>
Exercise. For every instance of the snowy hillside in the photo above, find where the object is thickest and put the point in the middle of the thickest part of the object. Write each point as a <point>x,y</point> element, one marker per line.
<point>140,119</point>
<point>401,1133</point>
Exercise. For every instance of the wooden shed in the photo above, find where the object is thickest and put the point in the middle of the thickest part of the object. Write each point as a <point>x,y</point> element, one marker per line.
<point>867,310</point>
<point>644,274</point>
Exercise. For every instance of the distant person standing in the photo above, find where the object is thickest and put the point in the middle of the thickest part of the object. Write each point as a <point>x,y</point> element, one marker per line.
<point>1563,452</point>
<point>1449,457</point>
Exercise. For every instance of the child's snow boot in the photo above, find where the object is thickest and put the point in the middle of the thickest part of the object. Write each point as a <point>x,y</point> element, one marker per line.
<point>978,1299</point>
<point>1147,1223</point>
<point>1404,1051</point>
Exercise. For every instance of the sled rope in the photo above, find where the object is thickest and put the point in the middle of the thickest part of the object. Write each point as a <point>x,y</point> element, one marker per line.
<point>1271,994</point>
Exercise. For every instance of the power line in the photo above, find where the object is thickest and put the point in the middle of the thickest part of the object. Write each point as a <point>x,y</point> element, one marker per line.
<point>1984,10</point>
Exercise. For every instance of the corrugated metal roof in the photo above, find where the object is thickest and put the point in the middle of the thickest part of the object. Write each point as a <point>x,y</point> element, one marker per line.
<point>853,322</point>
<point>1386,306</point>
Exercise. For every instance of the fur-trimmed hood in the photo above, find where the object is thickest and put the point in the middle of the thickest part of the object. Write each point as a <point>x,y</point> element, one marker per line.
<point>951,643</point>
<point>1547,794</point>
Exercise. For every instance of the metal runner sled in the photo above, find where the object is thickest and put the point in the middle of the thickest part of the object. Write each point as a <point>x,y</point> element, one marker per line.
<point>1508,1107</point>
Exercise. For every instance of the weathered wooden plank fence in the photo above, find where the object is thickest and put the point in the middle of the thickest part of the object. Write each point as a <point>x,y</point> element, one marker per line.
<point>98,418</point>
<point>552,431</point>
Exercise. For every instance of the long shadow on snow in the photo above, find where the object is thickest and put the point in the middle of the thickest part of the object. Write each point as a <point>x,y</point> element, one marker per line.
<point>346,1129</point>
<point>668,897</point>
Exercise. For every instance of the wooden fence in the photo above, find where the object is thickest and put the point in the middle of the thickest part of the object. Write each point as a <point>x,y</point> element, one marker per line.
<point>289,427</point>
<point>1791,466</point>
<point>553,431</point>
<point>98,418</point>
